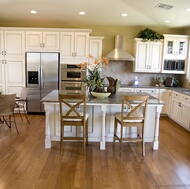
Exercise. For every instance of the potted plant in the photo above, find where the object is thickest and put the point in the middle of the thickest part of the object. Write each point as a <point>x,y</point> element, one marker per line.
<point>93,80</point>
<point>149,34</point>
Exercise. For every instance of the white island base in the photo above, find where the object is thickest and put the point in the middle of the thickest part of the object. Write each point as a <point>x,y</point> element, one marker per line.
<point>101,120</point>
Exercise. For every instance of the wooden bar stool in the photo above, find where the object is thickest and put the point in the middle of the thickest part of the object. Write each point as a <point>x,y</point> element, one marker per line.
<point>133,114</point>
<point>73,113</point>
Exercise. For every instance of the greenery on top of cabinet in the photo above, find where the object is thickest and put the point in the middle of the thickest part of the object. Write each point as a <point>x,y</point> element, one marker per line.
<point>149,34</point>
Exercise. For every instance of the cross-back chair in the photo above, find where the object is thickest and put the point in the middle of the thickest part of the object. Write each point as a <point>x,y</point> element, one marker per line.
<point>73,113</point>
<point>7,105</point>
<point>133,114</point>
<point>21,102</point>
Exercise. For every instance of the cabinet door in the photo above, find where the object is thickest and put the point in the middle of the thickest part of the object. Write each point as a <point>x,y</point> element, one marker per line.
<point>164,97</point>
<point>169,47</point>
<point>1,44</point>
<point>81,45</point>
<point>181,48</point>
<point>95,47</point>
<point>174,109</point>
<point>51,41</point>
<point>142,51</point>
<point>67,45</point>
<point>184,114</point>
<point>14,43</point>
<point>1,61</point>
<point>14,74</point>
<point>155,54</point>
<point>34,40</point>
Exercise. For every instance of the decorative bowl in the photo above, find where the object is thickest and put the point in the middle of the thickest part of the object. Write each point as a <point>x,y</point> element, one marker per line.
<point>100,95</point>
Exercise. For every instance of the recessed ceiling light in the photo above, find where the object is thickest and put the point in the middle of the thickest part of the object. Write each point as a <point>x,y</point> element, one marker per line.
<point>82,13</point>
<point>124,14</point>
<point>33,11</point>
<point>188,10</point>
<point>167,21</point>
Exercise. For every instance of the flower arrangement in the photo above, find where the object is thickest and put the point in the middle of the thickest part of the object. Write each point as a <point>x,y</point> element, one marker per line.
<point>93,80</point>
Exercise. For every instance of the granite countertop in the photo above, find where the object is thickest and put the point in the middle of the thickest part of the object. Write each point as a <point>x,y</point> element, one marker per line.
<point>112,100</point>
<point>177,89</point>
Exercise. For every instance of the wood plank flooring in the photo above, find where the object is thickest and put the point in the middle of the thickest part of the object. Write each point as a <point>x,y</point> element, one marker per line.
<point>26,164</point>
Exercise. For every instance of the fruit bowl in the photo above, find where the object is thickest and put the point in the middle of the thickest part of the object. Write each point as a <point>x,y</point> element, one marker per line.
<point>100,95</point>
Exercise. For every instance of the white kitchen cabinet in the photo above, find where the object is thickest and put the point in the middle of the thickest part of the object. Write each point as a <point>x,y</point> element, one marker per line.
<point>14,70</point>
<point>151,91</point>
<point>12,60</point>
<point>165,96</point>
<point>95,46</point>
<point>175,46</point>
<point>42,40</point>
<point>126,89</point>
<point>180,109</point>
<point>74,45</point>
<point>148,56</point>
<point>1,61</point>
<point>13,44</point>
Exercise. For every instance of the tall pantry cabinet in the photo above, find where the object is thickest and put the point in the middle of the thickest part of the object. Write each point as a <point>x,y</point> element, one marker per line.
<point>12,60</point>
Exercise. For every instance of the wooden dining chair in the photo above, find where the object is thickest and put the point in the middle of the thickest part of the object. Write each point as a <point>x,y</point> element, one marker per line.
<point>73,113</point>
<point>7,105</point>
<point>133,114</point>
<point>21,102</point>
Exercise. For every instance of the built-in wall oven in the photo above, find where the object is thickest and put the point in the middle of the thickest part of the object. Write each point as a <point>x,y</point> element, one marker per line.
<point>71,78</point>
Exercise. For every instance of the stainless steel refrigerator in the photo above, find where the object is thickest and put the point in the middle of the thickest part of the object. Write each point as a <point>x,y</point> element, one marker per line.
<point>42,77</point>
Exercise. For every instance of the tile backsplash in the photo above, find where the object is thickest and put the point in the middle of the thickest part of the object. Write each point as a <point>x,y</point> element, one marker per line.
<point>123,71</point>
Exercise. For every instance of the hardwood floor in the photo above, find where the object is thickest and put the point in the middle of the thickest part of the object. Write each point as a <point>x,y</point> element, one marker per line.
<point>26,164</point>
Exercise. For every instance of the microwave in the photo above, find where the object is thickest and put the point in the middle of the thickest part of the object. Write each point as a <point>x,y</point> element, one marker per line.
<point>174,65</point>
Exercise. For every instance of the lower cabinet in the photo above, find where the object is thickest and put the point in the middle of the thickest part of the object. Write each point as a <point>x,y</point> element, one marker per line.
<point>152,92</point>
<point>165,96</point>
<point>13,75</point>
<point>180,109</point>
<point>177,105</point>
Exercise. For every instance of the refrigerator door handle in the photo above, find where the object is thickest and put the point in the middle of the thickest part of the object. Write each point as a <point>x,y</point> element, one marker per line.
<point>39,75</point>
<point>41,78</point>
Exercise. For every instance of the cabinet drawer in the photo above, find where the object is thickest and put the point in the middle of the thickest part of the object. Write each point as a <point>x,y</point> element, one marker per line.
<point>149,91</point>
<point>176,95</point>
<point>185,98</point>
<point>153,92</point>
<point>126,89</point>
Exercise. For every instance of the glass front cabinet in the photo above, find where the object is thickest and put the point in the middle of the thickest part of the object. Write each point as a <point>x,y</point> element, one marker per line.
<point>175,46</point>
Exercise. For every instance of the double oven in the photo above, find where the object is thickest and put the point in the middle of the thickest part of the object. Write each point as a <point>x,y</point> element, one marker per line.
<point>71,78</point>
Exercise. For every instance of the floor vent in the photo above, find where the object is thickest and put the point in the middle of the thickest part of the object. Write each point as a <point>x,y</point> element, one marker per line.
<point>164,6</point>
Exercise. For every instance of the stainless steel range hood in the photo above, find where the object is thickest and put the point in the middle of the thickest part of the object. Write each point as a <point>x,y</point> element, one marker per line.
<point>118,53</point>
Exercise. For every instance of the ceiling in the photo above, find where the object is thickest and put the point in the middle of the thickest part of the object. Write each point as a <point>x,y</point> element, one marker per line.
<point>98,12</point>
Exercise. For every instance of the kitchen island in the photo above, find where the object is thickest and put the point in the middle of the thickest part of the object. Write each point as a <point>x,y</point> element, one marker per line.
<point>101,119</point>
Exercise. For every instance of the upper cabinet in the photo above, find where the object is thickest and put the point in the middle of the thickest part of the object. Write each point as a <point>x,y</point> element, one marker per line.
<point>13,44</point>
<point>148,56</point>
<point>12,60</point>
<point>175,54</point>
<point>175,46</point>
<point>42,40</point>
<point>95,47</point>
<point>74,45</point>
